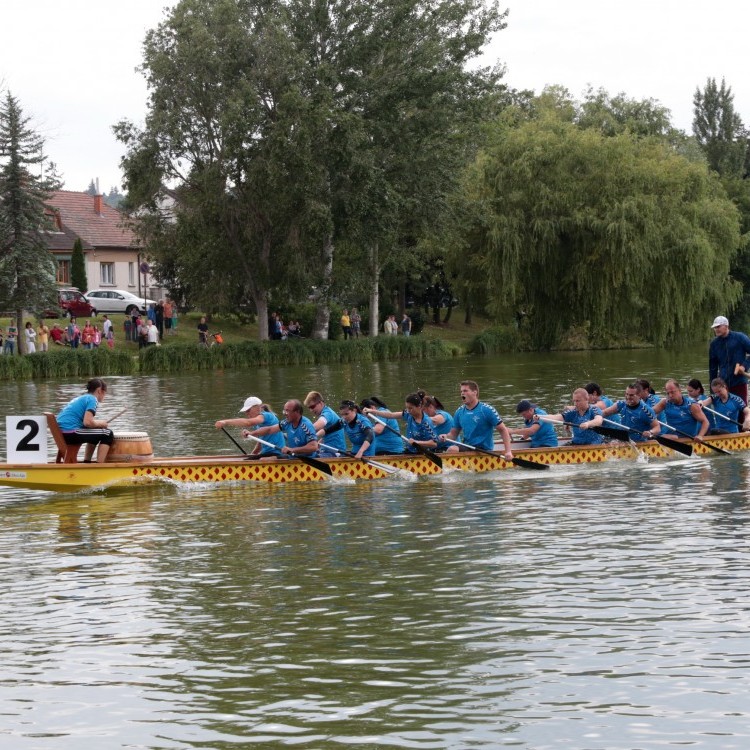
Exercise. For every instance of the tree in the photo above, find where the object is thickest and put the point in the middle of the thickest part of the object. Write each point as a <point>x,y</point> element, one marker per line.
<point>27,270</point>
<point>618,233</point>
<point>78,267</point>
<point>296,129</point>
<point>718,128</point>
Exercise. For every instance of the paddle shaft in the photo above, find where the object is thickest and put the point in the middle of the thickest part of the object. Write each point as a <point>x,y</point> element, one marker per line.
<point>224,430</point>
<point>674,445</point>
<point>521,462</point>
<point>723,416</point>
<point>119,414</point>
<point>319,465</point>
<point>365,459</point>
<point>432,456</point>
<point>692,437</point>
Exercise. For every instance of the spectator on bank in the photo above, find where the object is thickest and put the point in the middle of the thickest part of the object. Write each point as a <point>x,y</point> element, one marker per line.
<point>30,338</point>
<point>346,324</point>
<point>57,335</point>
<point>42,333</point>
<point>356,319</point>
<point>168,315</point>
<point>203,331</point>
<point>406,325</point>
<point>73,332</point>
<point>390,326</point>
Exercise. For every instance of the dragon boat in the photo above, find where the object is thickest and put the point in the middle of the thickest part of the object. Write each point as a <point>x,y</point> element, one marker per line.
<point>132,469</point>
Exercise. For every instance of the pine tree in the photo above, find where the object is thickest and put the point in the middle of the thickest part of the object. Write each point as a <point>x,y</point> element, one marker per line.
<point>78,267</point>
<point>27,270</point>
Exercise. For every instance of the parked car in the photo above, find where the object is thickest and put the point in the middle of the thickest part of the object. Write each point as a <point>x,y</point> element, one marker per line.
<point>71,304</point>
<point>117,301</point>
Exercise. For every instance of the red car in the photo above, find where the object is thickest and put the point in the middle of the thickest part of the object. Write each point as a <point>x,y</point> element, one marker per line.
<point>72,304</point>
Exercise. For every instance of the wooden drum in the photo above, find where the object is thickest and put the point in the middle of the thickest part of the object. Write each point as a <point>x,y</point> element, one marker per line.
<point>130,446</point>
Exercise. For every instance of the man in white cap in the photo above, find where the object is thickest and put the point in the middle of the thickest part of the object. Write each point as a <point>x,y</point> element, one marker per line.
<point>726,352</point>
<point>257,415</point>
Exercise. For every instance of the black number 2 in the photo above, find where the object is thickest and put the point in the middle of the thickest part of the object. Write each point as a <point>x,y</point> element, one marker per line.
<point>25,443</point>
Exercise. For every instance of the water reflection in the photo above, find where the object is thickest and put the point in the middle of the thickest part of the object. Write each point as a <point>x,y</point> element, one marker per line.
<point>592,606</point>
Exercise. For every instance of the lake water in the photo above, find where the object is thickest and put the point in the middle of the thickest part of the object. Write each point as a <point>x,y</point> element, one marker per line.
<point>591,607</point>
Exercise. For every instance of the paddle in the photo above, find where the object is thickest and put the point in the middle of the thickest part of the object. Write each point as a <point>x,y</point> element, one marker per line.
<point>319,465</point>
<point>692,437</point>
<point>365,459</point>
<point>224,430</point>
<point>724,416</point>
<point>420,448</point>
<point>522,463</point>
<point>674,445</point>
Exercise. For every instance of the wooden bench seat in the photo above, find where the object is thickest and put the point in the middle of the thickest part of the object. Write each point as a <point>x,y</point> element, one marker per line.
<point>66,454</point>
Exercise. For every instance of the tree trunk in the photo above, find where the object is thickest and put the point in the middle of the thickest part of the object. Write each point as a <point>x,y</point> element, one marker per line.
<point>374,290</point>
<point>448,313</point>
<point>20,337</point>
<point>323,311</point>
<point>467,311</point>
<point>261,305</point>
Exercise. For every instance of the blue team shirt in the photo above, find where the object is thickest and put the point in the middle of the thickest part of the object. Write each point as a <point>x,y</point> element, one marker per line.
<point>386,442</point>
<point>477,424</point>
<point>300,435</point>
<point>423,430</point>
<point>732,409</point>
<point>71,417</point>
<point>583,437</point>
<point>334,439</point>
<point>358,432</point>
<point>637,417</point>
<point>680,417</point>
<point>446,426</point>
<point>545,436</point>
<point>277,438</point>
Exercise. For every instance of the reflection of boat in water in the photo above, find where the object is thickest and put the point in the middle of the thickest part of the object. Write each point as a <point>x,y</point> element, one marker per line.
<point>66,477</point>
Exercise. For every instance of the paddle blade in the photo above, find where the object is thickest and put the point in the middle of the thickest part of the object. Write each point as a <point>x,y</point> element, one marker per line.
<point>613,432</point>
<point>524,463</point>
<point>315,464</point>
<point>429,454</point>
<point>674,445</point>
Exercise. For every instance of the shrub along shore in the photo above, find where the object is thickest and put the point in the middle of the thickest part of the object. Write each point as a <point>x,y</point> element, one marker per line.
<point>85,363</point>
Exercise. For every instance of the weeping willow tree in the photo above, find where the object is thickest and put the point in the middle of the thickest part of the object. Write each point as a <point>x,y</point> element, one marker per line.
<point>618,233</point>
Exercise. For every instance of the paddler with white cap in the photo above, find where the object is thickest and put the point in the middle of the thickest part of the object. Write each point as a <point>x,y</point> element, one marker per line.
<point>257,414</point>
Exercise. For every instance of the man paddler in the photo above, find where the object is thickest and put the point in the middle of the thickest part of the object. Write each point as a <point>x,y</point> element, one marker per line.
<point>582,416</point>
<point>298,431</point>
<point>635,413</point>
<point>681,413</point>
<point>477,421</point>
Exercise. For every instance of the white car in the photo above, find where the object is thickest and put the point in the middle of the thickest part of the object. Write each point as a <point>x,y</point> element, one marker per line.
<point>117,301</point>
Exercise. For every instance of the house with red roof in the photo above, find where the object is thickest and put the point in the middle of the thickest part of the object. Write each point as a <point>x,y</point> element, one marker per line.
<point>111,250</point>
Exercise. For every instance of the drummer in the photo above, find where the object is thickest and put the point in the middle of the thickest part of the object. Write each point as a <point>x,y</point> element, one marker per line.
<point>257,414</point>
<point>78,424</point>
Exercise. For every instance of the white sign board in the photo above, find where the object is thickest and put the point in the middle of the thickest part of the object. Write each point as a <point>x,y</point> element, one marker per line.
<point>27,440</point>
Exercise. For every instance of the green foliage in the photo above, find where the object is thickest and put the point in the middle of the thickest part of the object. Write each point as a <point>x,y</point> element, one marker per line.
<point>62,362</point>
<point>78,267</point>
<point>718,129</point>
<point>496,340</point>
<point>27,271</point>
<point>619,231</point>
<point>253,354</point>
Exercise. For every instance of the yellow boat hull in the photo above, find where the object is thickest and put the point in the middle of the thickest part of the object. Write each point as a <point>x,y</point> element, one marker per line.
<point>210,469</point>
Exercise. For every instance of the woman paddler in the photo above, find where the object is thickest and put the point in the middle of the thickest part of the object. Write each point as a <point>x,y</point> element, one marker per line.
<point>257,414</point>
<point>419,427</point>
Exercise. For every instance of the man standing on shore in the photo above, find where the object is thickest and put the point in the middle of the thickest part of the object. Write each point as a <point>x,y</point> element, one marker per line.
<point>728,350</point>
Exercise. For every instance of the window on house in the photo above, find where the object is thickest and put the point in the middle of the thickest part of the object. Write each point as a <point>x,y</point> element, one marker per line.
<point>62,274</point>
<point>131,274</point>
<point>107,274</point>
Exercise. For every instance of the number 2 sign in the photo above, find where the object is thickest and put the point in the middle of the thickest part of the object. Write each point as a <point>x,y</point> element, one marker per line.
<point>27,440</point>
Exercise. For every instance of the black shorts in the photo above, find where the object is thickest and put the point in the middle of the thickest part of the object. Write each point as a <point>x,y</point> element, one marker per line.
<point>93,435</point>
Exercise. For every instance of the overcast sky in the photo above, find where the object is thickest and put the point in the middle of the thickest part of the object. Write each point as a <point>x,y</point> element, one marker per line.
<point>71,63</point>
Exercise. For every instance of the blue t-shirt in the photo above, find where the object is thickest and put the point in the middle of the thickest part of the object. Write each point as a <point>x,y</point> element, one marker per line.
<point>334,439</point>
<point>71,417</point>
<point>732,409</point>
<point>583,437</point>
<point>358,431</point>
<point>300,435</point>
<point>637,417</point>
<point>477,424</point>
<point>446,426</point>
<point>386,442</point>
<point>679,416</point>
<point>277,438</point>
<point>545,436</point>
<point>423,430</point>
